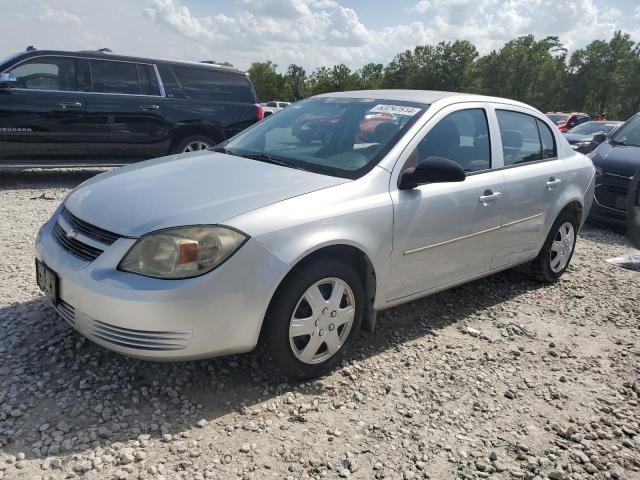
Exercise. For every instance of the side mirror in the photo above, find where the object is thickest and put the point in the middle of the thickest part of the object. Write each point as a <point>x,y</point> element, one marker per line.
<point>599,138</point>
<point>7,80</point>
<point>431,170</point>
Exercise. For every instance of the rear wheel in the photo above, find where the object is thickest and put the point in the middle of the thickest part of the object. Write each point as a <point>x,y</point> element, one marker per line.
<point>193,143</point>
<point>556,253</point>
<point>314,316</point>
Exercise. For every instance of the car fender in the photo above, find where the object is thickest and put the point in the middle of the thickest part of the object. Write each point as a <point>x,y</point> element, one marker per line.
<point>357,213</point>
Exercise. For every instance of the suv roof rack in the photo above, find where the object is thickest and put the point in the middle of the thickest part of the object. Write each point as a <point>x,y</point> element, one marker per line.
<point>100,50</point>
<point>30,48</point>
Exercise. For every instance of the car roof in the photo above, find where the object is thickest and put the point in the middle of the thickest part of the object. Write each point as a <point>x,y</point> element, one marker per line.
<point>128,58</point>
<point>422,96</point>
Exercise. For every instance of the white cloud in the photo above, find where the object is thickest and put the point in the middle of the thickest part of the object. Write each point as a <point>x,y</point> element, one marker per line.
<point>49,14</point>
<point>307,32</point>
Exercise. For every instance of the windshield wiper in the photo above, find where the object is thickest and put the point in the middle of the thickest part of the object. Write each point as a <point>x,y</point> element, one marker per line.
<point>220,150</point>
<point>616,142</point>
<point>264,157</point>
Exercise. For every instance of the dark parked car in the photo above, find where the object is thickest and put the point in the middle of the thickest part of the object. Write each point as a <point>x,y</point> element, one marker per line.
<point>581,137</point>
<point>80,108</point>
<point>616,160</point>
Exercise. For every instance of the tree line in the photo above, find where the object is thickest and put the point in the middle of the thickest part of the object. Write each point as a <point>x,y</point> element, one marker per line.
<point>602,77</point>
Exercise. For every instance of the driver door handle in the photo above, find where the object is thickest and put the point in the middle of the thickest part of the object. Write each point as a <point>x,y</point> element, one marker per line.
<point>149,107</point>
<point>489,196</point>
<point>553,182</point>
<point>69,105</point>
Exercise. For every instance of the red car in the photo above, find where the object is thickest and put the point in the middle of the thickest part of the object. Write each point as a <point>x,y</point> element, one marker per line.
<point>566,121</point>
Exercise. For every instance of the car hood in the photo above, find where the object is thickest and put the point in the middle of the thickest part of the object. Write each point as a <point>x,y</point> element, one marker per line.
<point>577,138</point>
<point>618,157</point>
<point>191,189</point>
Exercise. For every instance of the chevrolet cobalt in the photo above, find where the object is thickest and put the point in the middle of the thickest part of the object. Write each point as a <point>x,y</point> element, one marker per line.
<point>295,232</point>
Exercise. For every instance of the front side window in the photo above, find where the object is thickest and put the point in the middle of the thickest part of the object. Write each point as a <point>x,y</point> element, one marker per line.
<point>461,136</point>
<point>115,77</point>
<point>344,137</point>
<point>629,133</point>
<point>46,73</point>
<point>520,137</point>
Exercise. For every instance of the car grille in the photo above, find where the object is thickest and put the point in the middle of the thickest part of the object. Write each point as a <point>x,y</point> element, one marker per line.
<point>612,188</point>
<point>74,246</point>
<point>91,231</point>
<point>140,339</point>
<point>67,312</point>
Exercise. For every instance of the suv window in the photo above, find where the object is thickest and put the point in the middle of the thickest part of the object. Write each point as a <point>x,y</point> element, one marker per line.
<point>211,84</point>
<point>115,77</point>
<point>148,80</point>
<point>461,136</point>
<point>172,88</point>
<point>46,73</point>
<point>520,137</point>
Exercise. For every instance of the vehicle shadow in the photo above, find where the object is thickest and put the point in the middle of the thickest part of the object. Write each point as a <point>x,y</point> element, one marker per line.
<point>45,179</point>
<point>51,374</point>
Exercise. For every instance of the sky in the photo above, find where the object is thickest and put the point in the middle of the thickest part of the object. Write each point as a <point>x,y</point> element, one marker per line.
<point>310,33</point>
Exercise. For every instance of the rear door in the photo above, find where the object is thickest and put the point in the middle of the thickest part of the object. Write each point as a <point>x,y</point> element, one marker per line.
<point>124,112</point>
<point>42,116</point>
<point>534,178</point>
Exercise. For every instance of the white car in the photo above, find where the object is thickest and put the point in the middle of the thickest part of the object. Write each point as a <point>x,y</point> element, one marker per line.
<point>269,108</point>
<point>298,243</point>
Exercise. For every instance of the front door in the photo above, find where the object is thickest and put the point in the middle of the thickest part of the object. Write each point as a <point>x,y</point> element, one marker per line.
<point>124,113</point>
<point>42,115</point>
<point>446,232</point>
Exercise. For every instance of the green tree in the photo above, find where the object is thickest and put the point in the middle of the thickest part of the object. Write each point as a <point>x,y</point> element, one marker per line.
<point>269,84</point>
<point>296,78</point>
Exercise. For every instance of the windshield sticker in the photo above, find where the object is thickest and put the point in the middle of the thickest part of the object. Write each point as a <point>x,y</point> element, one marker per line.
<point>395,109</point>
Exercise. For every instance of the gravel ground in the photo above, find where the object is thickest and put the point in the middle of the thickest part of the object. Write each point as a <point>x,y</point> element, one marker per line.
<point>501,378</point>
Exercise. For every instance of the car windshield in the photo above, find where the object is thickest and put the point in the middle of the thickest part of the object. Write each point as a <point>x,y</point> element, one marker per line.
<point>592,127</point>
<point>555,118</point>
<point>629,133</point>
<point>343,137</point>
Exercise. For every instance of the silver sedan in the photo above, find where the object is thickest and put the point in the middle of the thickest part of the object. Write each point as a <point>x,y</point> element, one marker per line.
<point>298,230</point>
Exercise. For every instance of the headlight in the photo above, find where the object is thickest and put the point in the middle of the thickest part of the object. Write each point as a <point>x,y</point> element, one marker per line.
<point>580,144</point>
<point>182,252</point>
<point>598,171</point>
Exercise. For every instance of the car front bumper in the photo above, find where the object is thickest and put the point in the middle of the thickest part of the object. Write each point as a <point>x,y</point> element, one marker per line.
<point>218,313</point>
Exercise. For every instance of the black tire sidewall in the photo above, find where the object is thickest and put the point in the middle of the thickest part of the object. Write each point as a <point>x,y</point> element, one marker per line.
<point>283,304</point>
<point>543,264</point>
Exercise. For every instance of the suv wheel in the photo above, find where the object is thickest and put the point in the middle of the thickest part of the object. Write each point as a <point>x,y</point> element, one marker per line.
<point>315,314</point>
<point>556,253</point>
<point>193,143</point>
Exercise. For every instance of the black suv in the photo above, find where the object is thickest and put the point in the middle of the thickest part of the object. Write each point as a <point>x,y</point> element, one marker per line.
<point>85,108</point>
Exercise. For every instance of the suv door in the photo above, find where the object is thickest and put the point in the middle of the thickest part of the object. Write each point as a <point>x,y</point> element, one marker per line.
<point>534,180</point>
<point>42,116</point>
<point>124,112</point>
<point>446,232</point>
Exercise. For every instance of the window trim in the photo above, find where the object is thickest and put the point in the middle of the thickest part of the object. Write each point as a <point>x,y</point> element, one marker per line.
<point>532,162</point>
<point>76,57</point>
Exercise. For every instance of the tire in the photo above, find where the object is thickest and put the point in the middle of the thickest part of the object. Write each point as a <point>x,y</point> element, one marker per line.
<point>189,144</point>
<point>317,320</point>
<point>554,258</point>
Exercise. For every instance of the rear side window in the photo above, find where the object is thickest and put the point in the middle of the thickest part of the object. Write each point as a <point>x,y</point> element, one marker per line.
<point>115,77</point>
<point>520,137</point>
<point>211,84</point>
<point>148,80</point>
<point>172,88</point>
<point>46,73</point>
<point>548,140</point>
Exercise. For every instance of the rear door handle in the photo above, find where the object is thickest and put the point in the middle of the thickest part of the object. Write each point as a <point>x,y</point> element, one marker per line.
<point>553,182</point>
<point>489,196</point>
<point>69,105</point>
<point>149,107</point>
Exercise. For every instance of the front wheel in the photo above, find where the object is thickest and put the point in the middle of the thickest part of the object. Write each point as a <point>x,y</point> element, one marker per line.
<point>313,317</point>
<point>556,253</point>
<point>193,143</point>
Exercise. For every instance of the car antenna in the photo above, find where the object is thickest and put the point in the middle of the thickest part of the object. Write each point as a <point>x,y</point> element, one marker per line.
<point>31,48</point>
<point>105,50</point>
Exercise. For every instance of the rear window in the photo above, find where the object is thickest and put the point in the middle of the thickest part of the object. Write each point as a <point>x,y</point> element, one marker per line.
<point>211,84</point>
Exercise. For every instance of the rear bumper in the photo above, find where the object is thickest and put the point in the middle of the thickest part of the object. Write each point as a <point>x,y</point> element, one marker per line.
<point>168,320</point>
